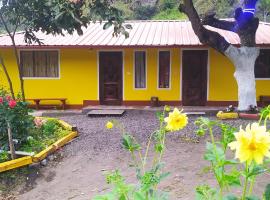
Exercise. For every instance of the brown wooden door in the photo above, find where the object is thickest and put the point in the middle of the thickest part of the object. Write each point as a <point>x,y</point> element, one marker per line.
<point>194,76</point>
<point>110,78</point>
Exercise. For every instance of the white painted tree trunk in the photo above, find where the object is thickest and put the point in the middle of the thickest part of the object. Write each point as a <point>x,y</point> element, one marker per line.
<point>244,59</point>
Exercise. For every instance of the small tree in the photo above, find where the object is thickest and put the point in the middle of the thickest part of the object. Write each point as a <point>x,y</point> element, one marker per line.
<point>264,6</point>
<point>52,17</point>
<point>14,121</point>
<point>244,57</point>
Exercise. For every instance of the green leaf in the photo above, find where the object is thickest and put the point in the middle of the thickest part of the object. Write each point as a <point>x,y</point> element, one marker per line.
<point>252,198</point>
<point>230,162</point>
<point>128,26</point>
<point>158,148</point>
<point>200,132</point>
<point>129,143</point>
<point>108,196</point>
<point>164,175</point>
<point>214,153</point>
<point>232,180</point>
<point>230,197</point>
<point>107,25</point>
<point>256,171</point>
<point>138,196</point>
<point>267,192</point>
<point>205,192</point>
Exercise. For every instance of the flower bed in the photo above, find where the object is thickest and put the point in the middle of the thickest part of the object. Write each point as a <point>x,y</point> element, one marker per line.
<point>25,139</point>
<point>46,137</point>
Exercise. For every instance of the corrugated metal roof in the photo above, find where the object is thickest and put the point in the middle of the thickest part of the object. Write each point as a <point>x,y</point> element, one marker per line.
<point>144,34</point>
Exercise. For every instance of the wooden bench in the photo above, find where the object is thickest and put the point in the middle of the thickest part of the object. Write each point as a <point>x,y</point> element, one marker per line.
<point>38,100</point>
<point>264,100</point>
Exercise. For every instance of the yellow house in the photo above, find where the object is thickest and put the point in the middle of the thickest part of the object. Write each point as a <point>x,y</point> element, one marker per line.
<point>161,59</point>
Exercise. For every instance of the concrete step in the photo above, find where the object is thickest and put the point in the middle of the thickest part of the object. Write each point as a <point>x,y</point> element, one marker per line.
<point>195,113</point>
<point>100,113</point>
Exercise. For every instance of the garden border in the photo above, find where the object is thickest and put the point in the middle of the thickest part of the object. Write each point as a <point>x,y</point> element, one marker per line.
<point>28,160</point>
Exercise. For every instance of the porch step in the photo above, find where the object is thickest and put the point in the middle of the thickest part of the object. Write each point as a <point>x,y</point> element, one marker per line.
<point>99,113</point>
<point>195,113</point>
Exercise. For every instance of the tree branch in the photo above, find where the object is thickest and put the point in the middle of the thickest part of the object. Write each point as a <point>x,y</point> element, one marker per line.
<point>12,37</point>
<point>16,25</point>
<point>211,38</point>
<point>210,20</point>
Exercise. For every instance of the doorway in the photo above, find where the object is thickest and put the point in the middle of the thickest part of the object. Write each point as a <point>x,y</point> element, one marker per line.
<point>110,78</point>
<point>194,77</point>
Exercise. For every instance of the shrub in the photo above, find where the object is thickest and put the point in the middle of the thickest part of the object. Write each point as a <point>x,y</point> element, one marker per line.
<point>16,113</point>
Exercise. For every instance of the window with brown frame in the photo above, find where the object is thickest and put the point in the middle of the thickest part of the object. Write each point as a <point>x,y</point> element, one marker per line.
<point>140,69</point>
<point>262,65</point>
<point>40,64</point>
<point>164,69</point>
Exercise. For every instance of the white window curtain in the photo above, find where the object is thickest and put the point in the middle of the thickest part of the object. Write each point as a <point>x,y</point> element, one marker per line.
<point>40,64</point>
<point>140,69</point>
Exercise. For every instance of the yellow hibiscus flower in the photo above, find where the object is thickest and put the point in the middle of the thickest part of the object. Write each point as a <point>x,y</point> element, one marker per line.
<point>109,125</point>
<point>251,144</point>
<point>176,120</point>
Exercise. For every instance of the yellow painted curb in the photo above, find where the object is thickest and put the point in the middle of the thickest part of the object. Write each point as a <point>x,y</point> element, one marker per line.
<point>65,140</point>
<point>65,125</point>
<point>27,160</point>
<point>52,148</point>
<point>231,115</point>
<point>43,154</point>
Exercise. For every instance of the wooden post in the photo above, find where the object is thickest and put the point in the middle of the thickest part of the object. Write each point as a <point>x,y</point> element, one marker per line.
<point>11,144</point>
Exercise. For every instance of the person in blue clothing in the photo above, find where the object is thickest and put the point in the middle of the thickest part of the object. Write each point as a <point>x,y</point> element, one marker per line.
<point>243,16</point>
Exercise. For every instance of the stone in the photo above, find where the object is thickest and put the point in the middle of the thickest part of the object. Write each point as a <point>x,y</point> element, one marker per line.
<point>44,162</point>
<point>51,157</point>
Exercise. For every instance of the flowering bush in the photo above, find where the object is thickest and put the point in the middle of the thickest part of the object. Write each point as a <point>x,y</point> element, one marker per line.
<point>39,122</point>
<point>16,113</point>
<point>252,153</point>
<point>148,177</point>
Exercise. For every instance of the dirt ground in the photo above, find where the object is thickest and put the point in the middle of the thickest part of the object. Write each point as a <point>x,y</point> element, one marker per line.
<point>79,175</point>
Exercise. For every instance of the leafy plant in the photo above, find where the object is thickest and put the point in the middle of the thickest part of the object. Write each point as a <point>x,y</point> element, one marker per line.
<point>4,156</point>
<point>265,112</point>
<point>15,121</point>
<point>251,145</point>
<point>42,136</point>
<point>148,178</point>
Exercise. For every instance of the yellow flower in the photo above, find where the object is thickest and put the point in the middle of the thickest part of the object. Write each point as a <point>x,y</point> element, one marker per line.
<point>109,125</point>
<point>167,108</point>
<point>252,144</point>
<point>176,120</point>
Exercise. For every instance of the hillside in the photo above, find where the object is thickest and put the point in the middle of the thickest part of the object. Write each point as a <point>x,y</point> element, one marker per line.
<point>168,9</point>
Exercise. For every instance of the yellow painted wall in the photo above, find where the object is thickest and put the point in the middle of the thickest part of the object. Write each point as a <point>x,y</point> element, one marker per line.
<point>171,94</point>
<point>79,77</point>
<point>222,85</point>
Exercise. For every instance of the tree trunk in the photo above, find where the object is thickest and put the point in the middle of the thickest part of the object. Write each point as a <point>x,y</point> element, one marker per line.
<point>244,59</point>
<point>8,77</point>
<point>11,143</point>
<point>19,65</point>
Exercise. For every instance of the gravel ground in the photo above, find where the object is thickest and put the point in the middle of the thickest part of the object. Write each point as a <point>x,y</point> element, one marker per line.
<point>95,138</point>
<point>79,175</point>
